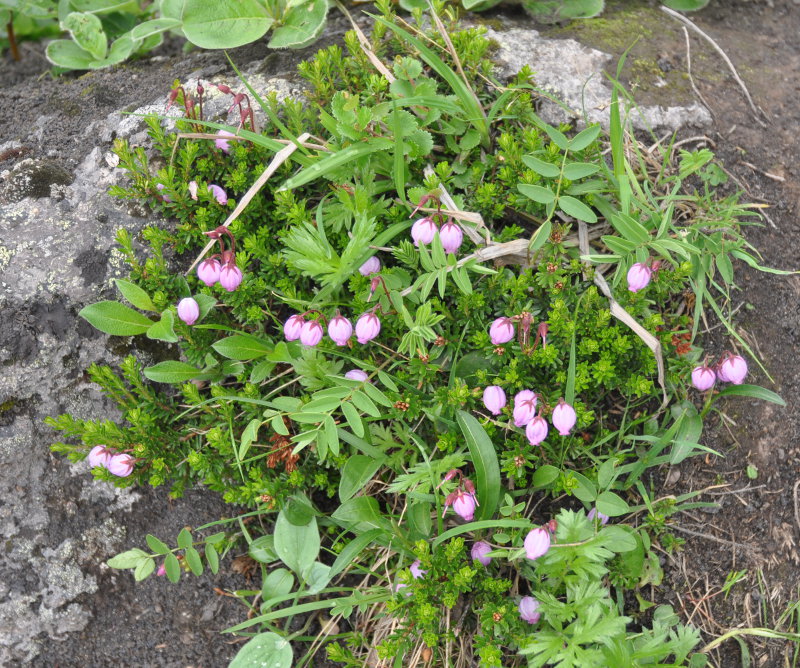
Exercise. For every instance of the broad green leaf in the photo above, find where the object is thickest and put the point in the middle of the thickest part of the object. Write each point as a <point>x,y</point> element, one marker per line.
<point>249,435</point>
<point>611,504</point>
<point>317,577</point>
<point>484,459</point>
<point>184,538</point>
<point>541,236</point>
<point>361,513</point>
<point>262,550</point>
<point>266,650</point>
<point>419,520</point>
<point>242,347</point>
<point>296,546</point>
<point>545,475</point>
<point>299,510</point>
<point>206,303</point>
<point>353,550</point>
<point>353,418</point>
<point>278,582</point>
<point>164,329</point>
<point>172,372</point>
<point>685,5</point>
<point>581,140</point>
<point>156,545</point>
<point>301,26</point>
<point>580,170</point>
<point>87,31</point>
<point>154,27</point>
<point>135,295</point>
<point>365,404</point>
<point>144,568</point>
<point>128,559</point>
<point>212,557</point>
<point>115,319</point>
<point>630,228</point>
<point>557,137</point>
<point>537,193</point>
<point>172,567</point>
<point>585,489</point>
<point>577,209</point>
<point>194,561</point>
<point>358,471</point>
<point>224,24</point>
<point>618,538</point>
<point>753,391</point>
<point>547,169</point>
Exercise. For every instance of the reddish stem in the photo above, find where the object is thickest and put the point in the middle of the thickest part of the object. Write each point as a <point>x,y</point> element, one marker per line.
<point>12,41</point>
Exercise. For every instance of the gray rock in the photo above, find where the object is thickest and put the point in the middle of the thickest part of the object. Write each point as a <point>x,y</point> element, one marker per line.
<point>573,75</point>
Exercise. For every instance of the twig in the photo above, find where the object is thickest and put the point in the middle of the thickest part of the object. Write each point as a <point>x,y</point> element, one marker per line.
<point>685,21</point>
<point>707,536</point>
<point>774,177</point>
<point>280,157</point>
<point>366,47</point>
<point>689,72</point>
<point>445,198</point>
<point>796,506</point>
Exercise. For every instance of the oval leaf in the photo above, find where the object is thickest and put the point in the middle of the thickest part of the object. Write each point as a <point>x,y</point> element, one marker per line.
<point>267,650</point>
<point>357,472</point>
<point>547,169</point>
<point>115,319</point>
<point>87,31</point>
<point>224,24</point>
<point>171,372</point>
<point>296,546</point>
<point>611,504</point>
<point>537,193</point>
<point>577,209</point>
<point>135,295</point>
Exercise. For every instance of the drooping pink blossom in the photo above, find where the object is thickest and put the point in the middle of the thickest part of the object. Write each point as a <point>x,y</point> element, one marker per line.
<point>208,271</point>
<point>464,505</point>
<point>368,326</point>
<point>536,431</point>
<point>537,543</point>
<point>639,276</point>
<point>594,513</point>
<point>311,333</point>
<point>371,266</point>
<point>98,456</point>
<point>732,369</point>
<point>423,231</point>
<point>230,277</point>
<point>451,237</point>
<point>357,374</point>
<point>293,326</point>
<point>221,143</point>
<point>703,377</point>
<point>479,552</point>
<point>494,398</point>
<point>340,330</point>
<point>416,571</point>
<point>219,193</point>
<point>121,465</point>
<point>188,310</point>
<point>501,331</point>
<point>564,417</point>
<point>529,609</point>
<point>524,407</point>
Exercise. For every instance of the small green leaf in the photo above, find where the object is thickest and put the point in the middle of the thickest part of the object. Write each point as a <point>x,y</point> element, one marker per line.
<point>135,295</point>
<point>301,26</point>
<point>184,538</point>
<point>212,557</point>
<point>611,504</point>
<point>297,546</point>
<point>194,561</point>
<point>156,545</point>
<point>581,140</point>
<point>358,471</point>
<point>317,577</point>
<point>557,137</point>
<point>353,418</point>
<point>115,319</point>
<point>361,513</point>
<point>266,649</point>
<point>353,550</point>
<point>224,24</point>
<point>754,391</point>
<point>541,236</point>
<point>262,550</point>
<point>537,193</point>
<point>279,582</point>
<point>128,559</point>
<point>164,329</point>
<point>484,459</point>
<point>87,31</point>
<point>172,567</point>
<point>545,476</point>
<point>579,170</point>
<point>206,303</point>
<point>65,53</point>
<point>144,568</point>
<point>618,538</point>
<point>147,29</point>
<point>577,209</point>
<point>243,347</point>
<point>172,372</point>
<point>547,169</point>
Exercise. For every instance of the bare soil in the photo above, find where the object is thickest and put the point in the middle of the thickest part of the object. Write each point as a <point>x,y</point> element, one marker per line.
<point>757,525</point>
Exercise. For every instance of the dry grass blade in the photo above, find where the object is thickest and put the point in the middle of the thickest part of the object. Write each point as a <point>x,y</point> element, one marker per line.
<point>280,157</point>
<point>365,45</point>
<point>476,218</point>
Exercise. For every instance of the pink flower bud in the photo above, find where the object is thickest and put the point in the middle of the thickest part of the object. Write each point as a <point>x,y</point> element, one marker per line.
<point>452,473</point>
<point>367,327</point>
<point>188,310</point>
<point>529,609</point>
<point>451,237</point>
<point>479,551</point>
<point>464,505</point>
<point>371,266</point>
<point>423,231</point>
<point>193,190</point>
<point>340,330</point>
<point>732,369</point>
<point>470,488</point>
<point>293,326</point>
<point>536,431</point>
<point>494,398</point>
<point>639,276</point>
<point>524,407</point>
<point>357,374</point>
<point>416,571</point>
<point>703,378</point>
<point>121,465</point>
<point>230,277</point>
<point>537,543</point>
<point>98,456</point>
<point>594,513</point>
<point>501,331</point>
<point>311,333</point>
<point>219,194</point>
<point>160,187</point>
<point>564,417</point>
<point>208,271</point>
<point>222,144</point>
<point>162,570</point>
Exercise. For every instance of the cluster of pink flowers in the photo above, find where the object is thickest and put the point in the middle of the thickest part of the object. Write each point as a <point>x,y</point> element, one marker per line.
<point>119,464</point>
<point>463,499</point>
<point>640,274</point>
<point>729,369</point>
<point>223,271</point>
<point>340,330</point>
<point>424,230</point>
<point>524,413</point>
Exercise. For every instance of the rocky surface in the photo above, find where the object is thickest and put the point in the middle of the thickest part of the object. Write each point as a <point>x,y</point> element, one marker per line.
<point>59,603</point>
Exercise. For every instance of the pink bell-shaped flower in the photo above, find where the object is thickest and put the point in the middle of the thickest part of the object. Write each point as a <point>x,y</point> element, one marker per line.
<point>732,369</point>
<point>311,333</point>
<point>368,326</point>
<point>188,310</point>
<point>121,465</point>
<point>639,276</point>
<point>501,331</point>
<point>340,330</point>
<point>416,571</point>
<point>480,550</point>
<point>703,378</point>
<point>98,456</point>
<point>464,505</point>
<point>193,190</point>
<point>230,277</point>
<point>371,266</point>
<point>357,374</point>
<point>423,231</point>
<point>219,194</point>
<point>293,326</point>
<point>451,237</point>
<point>208,271</point>
<point>529,609</point>
<point>494,398</point>
<point>524,407</point>
<point>221,143</point>
<point>536,431</point>
<point>537,543</point>
<point>564,417</point>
